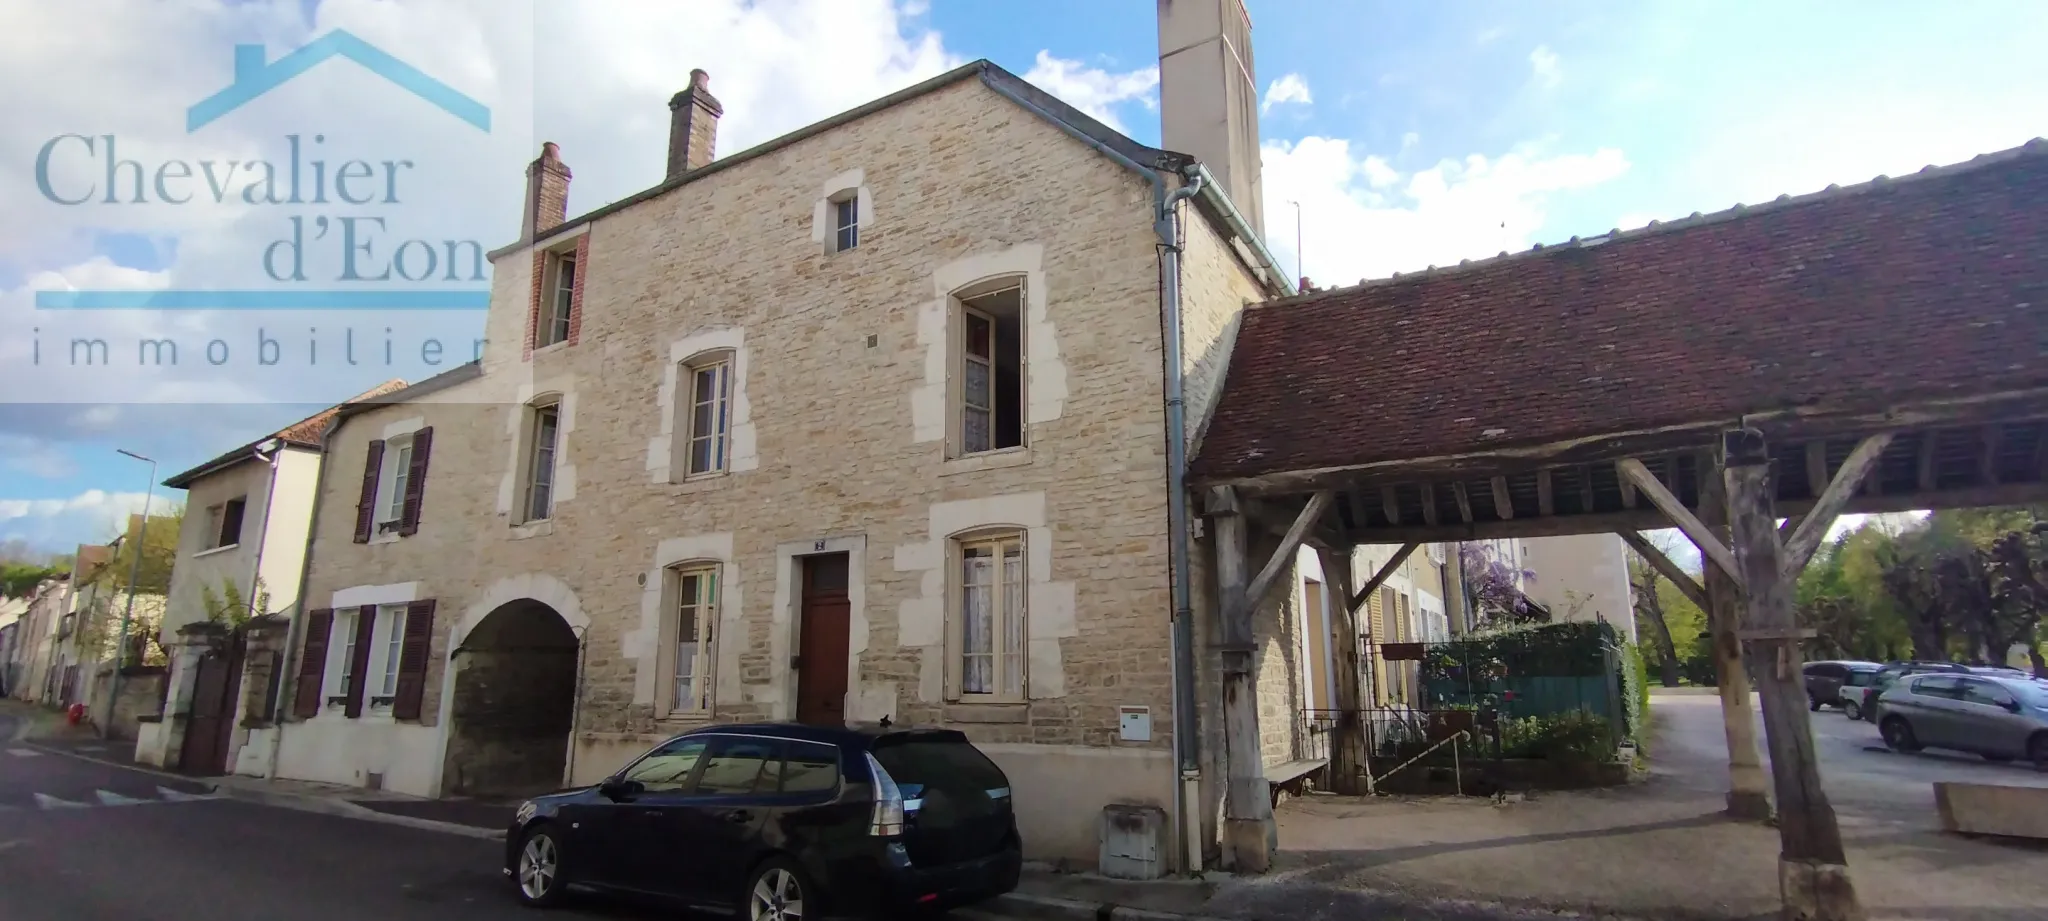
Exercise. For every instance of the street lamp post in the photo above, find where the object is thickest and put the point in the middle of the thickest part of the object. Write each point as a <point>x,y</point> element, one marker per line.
<point>128,613</point>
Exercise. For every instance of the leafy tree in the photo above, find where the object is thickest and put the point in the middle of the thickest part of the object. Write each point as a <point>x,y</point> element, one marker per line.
<point>19,579</point>
<point>230,607</point>
<point>1671,620</point>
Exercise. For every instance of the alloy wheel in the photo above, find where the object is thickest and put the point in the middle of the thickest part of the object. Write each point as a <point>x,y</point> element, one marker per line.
<point>539,862</point>
<point>777,896</point>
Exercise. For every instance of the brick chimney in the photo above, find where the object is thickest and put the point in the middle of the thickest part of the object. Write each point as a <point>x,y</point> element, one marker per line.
<point>547,192</point>
<point>692,125</point>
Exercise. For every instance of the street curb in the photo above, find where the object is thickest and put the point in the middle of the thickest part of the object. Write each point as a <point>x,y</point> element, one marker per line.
<point>1050,908</point>
<point>298,801</point>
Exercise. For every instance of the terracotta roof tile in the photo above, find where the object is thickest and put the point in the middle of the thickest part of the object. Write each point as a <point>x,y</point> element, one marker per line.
<point>1928,285</point>
<point>304,433</point>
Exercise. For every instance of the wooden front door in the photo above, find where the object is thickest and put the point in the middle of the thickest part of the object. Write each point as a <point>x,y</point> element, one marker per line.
<point>216,688</point>
<point>822,642</point>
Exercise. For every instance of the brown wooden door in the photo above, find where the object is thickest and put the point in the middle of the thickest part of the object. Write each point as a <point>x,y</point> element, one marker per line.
<point>822,646</point>
<point>216,688</point>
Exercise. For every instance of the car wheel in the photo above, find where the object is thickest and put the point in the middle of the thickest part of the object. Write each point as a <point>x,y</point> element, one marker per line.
<point>1813,703</point>
<point>779,891</point>
<point>1852,710</point>
<point>1899,735</point>
<point>539,874</point>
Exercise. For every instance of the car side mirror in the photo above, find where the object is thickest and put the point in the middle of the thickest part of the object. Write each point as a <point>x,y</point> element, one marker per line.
<point>2012,706</point>
<point>618,789</point>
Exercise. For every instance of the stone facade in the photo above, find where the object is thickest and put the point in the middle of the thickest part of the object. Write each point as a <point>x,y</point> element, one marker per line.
<point>840,443</point>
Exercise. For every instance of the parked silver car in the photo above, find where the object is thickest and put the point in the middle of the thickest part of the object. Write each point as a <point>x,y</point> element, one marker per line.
<point>1998,717</point>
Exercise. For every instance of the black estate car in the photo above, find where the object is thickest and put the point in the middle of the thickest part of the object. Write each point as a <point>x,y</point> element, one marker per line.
<point>781,822</point>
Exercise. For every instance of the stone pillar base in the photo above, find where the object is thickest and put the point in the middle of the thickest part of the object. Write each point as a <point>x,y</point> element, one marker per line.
<point>1750,807</point>
<point>1815,891</point>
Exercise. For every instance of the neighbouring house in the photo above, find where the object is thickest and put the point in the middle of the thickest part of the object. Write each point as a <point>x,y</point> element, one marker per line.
<point>872,421</point>
<point>91,633</point>
<point>35,638</point>
<point>12,612</point>
<point>240,555</point>
<point>1583,577</point>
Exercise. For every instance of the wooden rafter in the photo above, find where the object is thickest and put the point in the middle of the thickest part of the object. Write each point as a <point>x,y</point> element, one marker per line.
<point>1687,585</point>
<point>1372,585</point>
<point>1391,504</point>
<point>1503,501</point>
<point>1464,500</point>
<point>1815,524</point>
<point>1283,555</point>
<point>1711,547</point>
<point>1994,436</point>
<point>1355,498</point>
<point>1928,441</point>
<point>1429,514</point>
<point>1628,486</point>
<point>1816,466</point>
<point>1585,490</point>
<point>1546,501</point>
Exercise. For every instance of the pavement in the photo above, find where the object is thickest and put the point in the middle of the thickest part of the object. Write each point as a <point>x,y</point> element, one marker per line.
<point>84,837</point>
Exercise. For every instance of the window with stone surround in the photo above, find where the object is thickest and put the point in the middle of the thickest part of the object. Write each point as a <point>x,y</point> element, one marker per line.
<point>987,378</point>
<point>543,439</point>
<point>558,298</point>
<point>704,413</point>
<point>845,221</point>
<point>690,600</point>
<point>985,618</point>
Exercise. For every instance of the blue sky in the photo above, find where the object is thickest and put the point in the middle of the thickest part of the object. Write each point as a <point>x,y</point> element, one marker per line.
<point>1410,134</point>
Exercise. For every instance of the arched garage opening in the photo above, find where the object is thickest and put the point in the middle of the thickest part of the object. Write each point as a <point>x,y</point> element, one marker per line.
<point>514,701</point>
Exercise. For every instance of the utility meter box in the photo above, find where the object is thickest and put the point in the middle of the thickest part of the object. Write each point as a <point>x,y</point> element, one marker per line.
<point>1133,842</point>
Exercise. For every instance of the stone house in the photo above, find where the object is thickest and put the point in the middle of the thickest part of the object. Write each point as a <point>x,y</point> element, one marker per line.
<point>872,421</point>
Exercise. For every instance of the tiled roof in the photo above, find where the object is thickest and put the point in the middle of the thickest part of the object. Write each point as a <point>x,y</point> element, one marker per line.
<point>1854,297</point>
<point>304,433</point>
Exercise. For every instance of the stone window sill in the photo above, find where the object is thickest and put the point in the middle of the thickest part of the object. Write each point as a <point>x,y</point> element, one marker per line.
<point>213,550</point>
<point>697,483</point>
<point>988,713</point>
<point>991,460</point>
<point>540,528</point>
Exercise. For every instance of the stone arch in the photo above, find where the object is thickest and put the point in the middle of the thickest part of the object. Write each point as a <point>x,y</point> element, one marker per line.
<point>513,672</point>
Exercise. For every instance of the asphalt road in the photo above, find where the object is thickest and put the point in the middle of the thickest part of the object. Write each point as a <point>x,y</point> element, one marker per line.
<point>85,842</point>
<point>1862,778</point>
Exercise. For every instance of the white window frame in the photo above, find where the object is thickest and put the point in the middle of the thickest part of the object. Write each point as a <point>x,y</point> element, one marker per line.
<point>392,482</point>
<point>344,623</point>
<point>689,409</point>
<point>843,210</point>
<point>1008,651</point>
<point>387,652</point>
<point>958,360</point>
<point>535,472</point>
<point>697,701</point>
<point>558,298</point>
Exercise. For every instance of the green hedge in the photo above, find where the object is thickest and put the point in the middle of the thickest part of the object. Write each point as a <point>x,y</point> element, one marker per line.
<point>1571,650</point>
<point>1635,692</point>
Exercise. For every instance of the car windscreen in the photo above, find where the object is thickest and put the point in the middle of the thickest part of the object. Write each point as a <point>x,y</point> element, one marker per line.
<point>1861,679</point>
<point>951,777</point>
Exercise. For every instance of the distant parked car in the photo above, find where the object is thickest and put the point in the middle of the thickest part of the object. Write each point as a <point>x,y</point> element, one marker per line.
<point>780,822</point>
<point>1850,697</point>
<point>1891,672</point>
<point>1999,718</point>
<point>1824,681</point>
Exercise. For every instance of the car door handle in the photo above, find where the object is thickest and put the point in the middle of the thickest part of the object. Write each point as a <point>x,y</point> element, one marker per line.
<point>739,816</point>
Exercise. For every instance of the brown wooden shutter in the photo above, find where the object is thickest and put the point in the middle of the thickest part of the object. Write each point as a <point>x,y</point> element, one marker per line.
<point>312,664</point>
<point>366,506</point>
<point>416,481</point>
<point>359,664</point>
<point>412,659</point>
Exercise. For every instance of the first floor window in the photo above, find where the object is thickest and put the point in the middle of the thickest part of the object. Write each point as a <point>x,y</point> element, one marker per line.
<point>391,618</point>
<point>846,223</point>
<point>540,477</point>
<point>992,616</point>
<point>710,396</point>
<point>988,370</point>
<point>696,594</point>
<point>561,300</point>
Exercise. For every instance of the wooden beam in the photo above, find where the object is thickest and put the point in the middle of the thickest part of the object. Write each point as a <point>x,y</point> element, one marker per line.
<point>1628,486</point>
<point>1813,873</point>
<point>1371,585</point>
<point>1815,524</point>
<point>1711,548</point>
<point>1283,555</point>
<point>1356,499</point>
<point>1503,501</point>
<point>1546,501</point>
<point>1658,560</point>
<point>1748,788</point>
<point>1391,504</point>
<point>1429,504</point>
<point>1928,440</point>
<point>1464,500</point>
<point>1585,489</point>
<point>1816,466</point>
<point>1993,439</point>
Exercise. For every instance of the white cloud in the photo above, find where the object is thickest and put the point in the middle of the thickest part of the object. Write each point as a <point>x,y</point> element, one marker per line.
<point>1092,89</point>
<point>1290,88</point>
<point>33,457</point>
<point>1544,65</point>
<point>1364,218</point>
<point>58,524</point>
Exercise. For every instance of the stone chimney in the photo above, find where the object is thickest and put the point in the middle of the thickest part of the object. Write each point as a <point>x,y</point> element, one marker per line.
<point>547,192</point>
<point>1209,96</point>
<point>692,125</point>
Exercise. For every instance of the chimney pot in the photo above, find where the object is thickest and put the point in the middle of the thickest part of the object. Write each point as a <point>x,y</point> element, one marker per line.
<point>692,126</point>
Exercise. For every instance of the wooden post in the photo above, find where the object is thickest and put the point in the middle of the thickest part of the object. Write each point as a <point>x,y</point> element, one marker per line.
<point>1348,764</point>
<point>1249,835</point>
<point>1813,873</point>
<point>1747,798</point>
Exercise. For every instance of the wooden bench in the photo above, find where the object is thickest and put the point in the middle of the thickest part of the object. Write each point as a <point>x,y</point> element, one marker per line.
<point>1292,777</point>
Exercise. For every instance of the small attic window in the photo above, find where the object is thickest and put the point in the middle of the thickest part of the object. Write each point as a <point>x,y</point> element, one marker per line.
<point>845,221</point>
